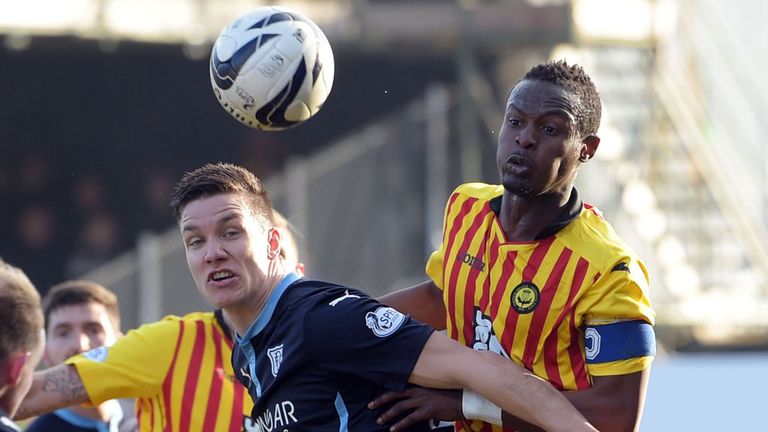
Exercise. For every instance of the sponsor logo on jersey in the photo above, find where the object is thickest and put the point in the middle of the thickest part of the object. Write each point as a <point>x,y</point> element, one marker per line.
<point>384,321</point>
<point>346,295</point>
<point>525,297</point>
<point>97,354</point>
<point>275,355</point>
<point>591,343</point>
<point>472,261</point>
<point>277,418</point>
<point>485,339</point>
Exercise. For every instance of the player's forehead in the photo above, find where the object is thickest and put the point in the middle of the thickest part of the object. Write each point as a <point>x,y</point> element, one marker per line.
<point>536,96</point>
<point>78,314</point>
<point>213,208</point>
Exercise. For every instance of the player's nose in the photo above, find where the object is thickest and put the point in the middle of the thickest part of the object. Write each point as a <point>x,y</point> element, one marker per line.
<point>214,252</point>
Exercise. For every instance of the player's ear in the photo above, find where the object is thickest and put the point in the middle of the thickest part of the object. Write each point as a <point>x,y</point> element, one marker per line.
<point>588,147</point>
<point>274,244</point>
<point>15,365</point>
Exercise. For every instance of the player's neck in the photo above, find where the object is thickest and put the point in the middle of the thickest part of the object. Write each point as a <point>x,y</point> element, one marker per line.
<point>241,316</point>
<point>523,218</point>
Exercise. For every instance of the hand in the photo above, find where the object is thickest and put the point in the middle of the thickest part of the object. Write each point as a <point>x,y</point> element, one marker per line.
<point>417,404</point>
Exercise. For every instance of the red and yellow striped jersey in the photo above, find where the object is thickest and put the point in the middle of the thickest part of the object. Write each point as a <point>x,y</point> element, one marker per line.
<point>530,301</point>
<point>179,370</point>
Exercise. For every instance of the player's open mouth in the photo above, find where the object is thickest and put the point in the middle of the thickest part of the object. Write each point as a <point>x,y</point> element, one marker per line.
<point>518,164</point>
<point>519,160</point>
<point>221,276</point>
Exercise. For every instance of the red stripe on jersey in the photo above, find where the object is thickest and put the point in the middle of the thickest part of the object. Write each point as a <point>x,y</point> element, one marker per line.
<point>550,344</point>
<point>470,286</point>
<point>211,412</point>
<point>537,257</point>
<point>168,381</point>
<point>534,261</point>
<point>493,255</point>
<point>574,348</point>
<point>508,333</point>
<point>465,208</point>
<point>576,356</point>
<point>506,273</point>
<point>138,414</point>
<point>193,374</point>
<point>541,312</point>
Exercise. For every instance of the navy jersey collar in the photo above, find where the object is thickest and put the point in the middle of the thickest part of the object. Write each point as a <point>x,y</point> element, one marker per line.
<point>219,315</point>
<point>266,314</point>
<point>570,211</point>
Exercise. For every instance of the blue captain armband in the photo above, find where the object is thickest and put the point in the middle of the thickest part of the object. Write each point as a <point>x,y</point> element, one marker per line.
<point>619,341</point>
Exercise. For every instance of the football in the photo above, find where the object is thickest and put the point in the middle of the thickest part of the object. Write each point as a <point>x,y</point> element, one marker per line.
<point>272,68</point>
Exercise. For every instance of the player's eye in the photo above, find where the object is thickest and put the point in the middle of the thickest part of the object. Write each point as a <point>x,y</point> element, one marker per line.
<point>231,232</point>
<point>194,241</point>
<point>549,130</point>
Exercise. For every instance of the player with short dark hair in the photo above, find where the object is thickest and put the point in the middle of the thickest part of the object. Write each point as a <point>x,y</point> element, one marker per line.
<point>313,353</point>
<point>80,316</point>
<point>21,340</point>
<point>179,370</point>
<point>528,270</point>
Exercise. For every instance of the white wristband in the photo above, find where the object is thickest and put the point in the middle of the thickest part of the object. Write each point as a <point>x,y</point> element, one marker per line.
<point>476,407</point>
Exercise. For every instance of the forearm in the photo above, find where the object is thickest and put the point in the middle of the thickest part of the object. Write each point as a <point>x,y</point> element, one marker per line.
<point>54,388</point>
<point>612,404</point>
<point>532,399</point>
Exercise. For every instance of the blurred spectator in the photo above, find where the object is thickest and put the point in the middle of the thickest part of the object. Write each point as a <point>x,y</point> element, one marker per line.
<point>98,241</point>
<point>88,193</point>
<point>158,185</point>
<point>36,246</point>
<point>34,177</point>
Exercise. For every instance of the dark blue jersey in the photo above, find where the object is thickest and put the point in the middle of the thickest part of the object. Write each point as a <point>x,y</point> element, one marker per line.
<point>319,352</point>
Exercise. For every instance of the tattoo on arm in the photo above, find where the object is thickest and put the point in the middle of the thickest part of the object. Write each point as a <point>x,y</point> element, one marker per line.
<point>66,383</point>
<point>58,387</point>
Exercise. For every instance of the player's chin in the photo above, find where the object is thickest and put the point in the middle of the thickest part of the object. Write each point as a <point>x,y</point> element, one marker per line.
<point>518,187</point>
<point>221,299</point>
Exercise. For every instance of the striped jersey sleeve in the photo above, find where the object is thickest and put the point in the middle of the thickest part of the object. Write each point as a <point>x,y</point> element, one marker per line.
<point>178,369</point>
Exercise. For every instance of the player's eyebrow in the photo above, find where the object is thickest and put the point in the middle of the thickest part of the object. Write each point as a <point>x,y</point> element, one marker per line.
<point>222,220</point>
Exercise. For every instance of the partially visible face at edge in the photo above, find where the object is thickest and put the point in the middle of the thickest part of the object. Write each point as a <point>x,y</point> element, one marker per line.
<point>76,328</point>
<point>16,394</point>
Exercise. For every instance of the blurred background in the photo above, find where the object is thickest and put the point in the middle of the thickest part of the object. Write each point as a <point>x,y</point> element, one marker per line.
<point>105,103</point>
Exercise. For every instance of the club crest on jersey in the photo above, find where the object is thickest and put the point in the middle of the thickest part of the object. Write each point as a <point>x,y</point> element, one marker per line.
<point>97,354</point>
<point>525,297</point>
<point>275,358</point>
<point>384,321</point>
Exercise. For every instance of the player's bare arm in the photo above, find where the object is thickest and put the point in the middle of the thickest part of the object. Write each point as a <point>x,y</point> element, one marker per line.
<point>445,364</point>
<point>612,404</point>
<point>423,302</point>
<point>54,388</point>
